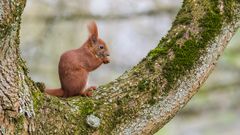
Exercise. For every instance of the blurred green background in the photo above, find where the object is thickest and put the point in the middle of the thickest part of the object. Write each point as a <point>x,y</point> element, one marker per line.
<point>130,28</point>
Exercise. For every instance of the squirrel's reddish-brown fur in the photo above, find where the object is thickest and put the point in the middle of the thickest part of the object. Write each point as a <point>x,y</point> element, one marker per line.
<point>75,65</point>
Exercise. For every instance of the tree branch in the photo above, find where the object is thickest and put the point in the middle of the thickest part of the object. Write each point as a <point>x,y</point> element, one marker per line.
<point>16,104</point>
<point>146,97</point>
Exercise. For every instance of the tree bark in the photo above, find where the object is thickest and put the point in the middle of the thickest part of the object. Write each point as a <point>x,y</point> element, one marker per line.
<point>140,101</point>
<point>16,108</point>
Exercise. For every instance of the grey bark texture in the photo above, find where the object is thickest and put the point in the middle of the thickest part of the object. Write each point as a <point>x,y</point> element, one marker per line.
<point>140,101</point>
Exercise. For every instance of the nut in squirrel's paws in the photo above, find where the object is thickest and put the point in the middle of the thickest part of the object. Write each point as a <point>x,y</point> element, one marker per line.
<point>106,60</point>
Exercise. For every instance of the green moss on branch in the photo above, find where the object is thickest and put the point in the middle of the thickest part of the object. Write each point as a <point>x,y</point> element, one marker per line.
<point>228,12</point>
<point>186,55</point>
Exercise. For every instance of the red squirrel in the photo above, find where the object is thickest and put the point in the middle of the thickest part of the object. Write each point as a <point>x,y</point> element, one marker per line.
<point>75,65</point>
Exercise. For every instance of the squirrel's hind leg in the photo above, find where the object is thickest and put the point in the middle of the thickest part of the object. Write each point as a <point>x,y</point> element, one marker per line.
<point>88,92</point>
<point>92,88</point>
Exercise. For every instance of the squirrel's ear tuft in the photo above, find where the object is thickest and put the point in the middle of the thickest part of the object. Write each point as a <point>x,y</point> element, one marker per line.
<point>93,31</point>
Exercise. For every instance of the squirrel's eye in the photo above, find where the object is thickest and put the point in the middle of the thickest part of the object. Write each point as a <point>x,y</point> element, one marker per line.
<point>101,47</point>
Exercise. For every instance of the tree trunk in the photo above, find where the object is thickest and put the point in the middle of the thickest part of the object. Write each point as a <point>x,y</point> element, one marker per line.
<point>141,101</point>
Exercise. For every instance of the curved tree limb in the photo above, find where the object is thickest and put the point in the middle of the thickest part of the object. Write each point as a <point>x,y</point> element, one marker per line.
<point>140,101</point>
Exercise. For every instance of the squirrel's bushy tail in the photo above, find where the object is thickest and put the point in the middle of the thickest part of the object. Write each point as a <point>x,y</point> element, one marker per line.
<point>55,92</point>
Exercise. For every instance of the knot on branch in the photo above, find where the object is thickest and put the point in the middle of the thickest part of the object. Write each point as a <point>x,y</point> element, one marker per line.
<point>93,121</point>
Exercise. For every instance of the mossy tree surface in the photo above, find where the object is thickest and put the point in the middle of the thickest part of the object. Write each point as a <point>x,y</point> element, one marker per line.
<point>140,101</point>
